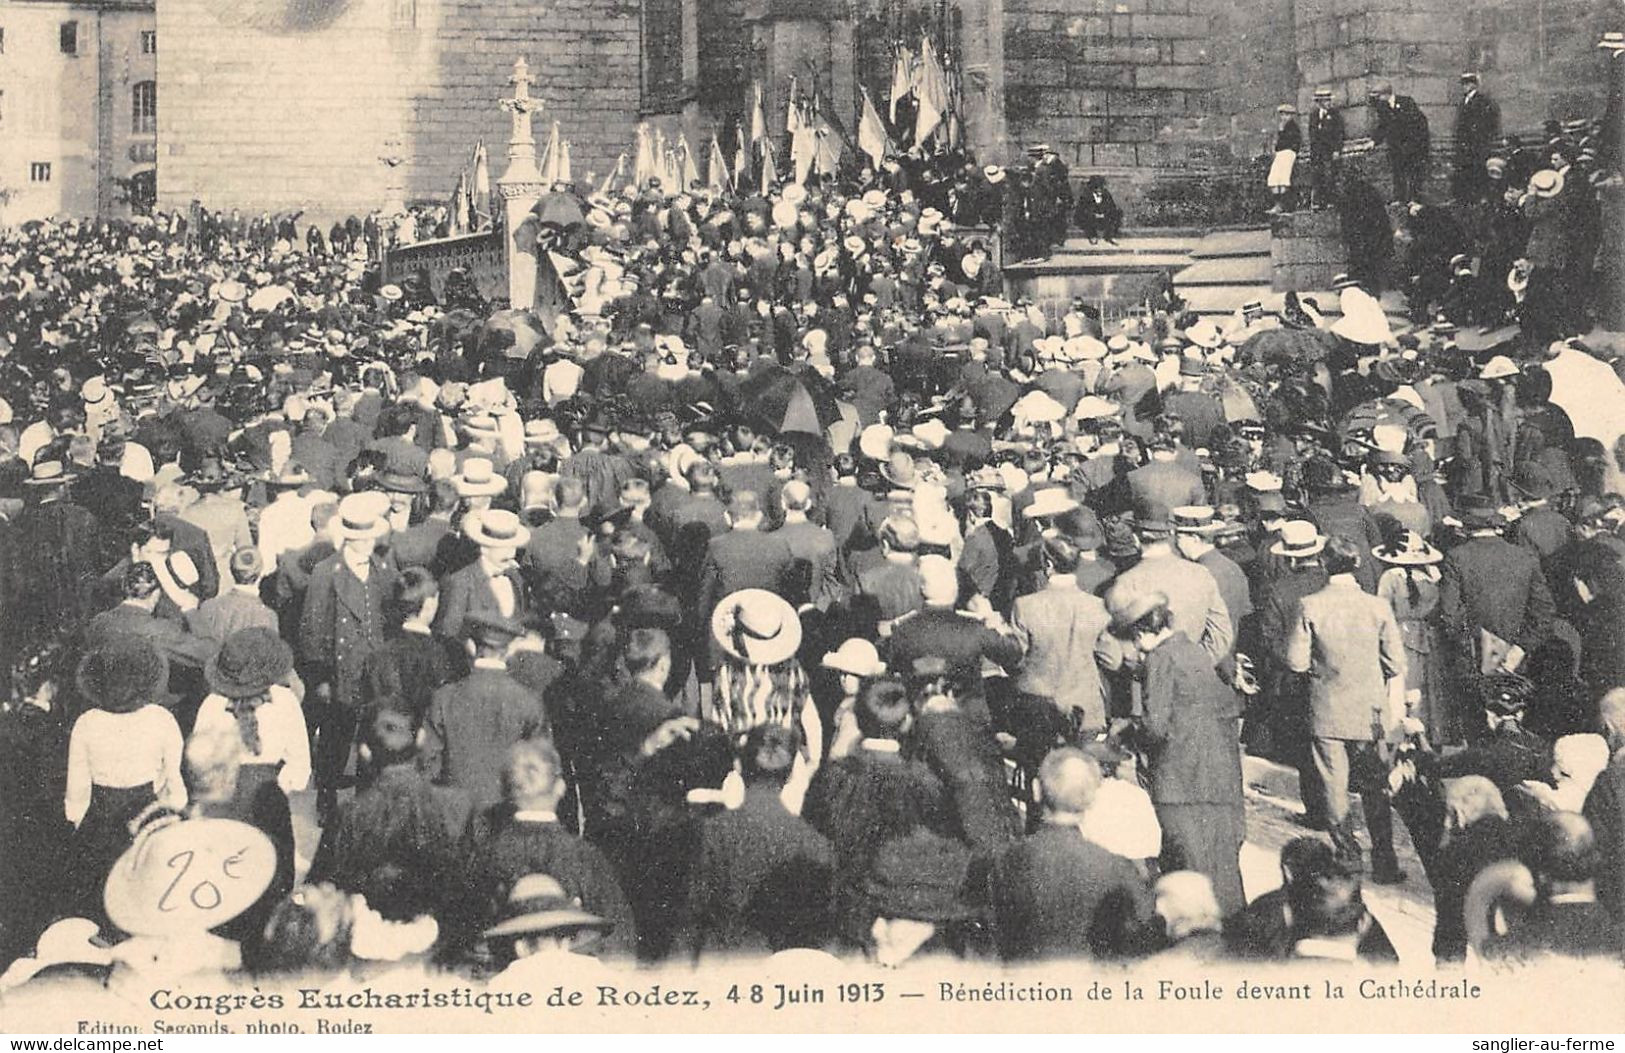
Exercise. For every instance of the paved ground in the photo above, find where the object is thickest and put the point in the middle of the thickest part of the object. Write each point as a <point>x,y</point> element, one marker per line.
<point>1406,910</point>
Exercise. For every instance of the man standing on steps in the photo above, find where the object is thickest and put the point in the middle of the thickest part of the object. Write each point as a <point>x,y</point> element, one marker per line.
<point>1325,146</point>
<point>1401,124</point>
<point>1478,126</point>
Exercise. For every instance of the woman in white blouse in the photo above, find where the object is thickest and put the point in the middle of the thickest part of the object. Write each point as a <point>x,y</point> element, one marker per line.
<point>123,755</point>
<point>252,701</point>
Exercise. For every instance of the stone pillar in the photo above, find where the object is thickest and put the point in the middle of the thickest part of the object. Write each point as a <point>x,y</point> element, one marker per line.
<point>789,36</point>
<point>520,188</point>
<point>982,53</point>
<point>394,160</point>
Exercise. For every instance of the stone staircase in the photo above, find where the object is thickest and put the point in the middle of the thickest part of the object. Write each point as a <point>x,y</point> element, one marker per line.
<point>1227,268</point>
<point>1106,275</point>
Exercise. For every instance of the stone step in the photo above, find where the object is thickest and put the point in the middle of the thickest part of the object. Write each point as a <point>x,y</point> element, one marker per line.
<point>1252,242</point>
<point>1069,262</point>
<point>1130,244</point>
<point>1225,270</point>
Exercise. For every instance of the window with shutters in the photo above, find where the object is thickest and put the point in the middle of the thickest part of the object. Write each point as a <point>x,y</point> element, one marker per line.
<point>39,172</point>
<point>149,42</point>
<point>68,38</point>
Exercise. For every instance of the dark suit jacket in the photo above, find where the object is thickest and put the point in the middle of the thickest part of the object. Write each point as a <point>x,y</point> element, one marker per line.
<point>178,645</point>
<point>962,640</point>
<point>1161,486</point>
<point>1488,583</point>
<point>1403,126</point>
<point>1056,895</point>
<point>1190,725</point>
<point>741,559</point>
<point>761,881</point>
<point>216,619</point>
<point>342,623</point>
<point>470,727</point>
<point>1605,808</point>
<point>1325,134</point>
<point>399,819</point>
<point>1478,125</point>
<point>468,591</point>
<point>511,848</point>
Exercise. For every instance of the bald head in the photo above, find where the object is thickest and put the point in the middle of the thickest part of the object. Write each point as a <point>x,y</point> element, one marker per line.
<point>1186,904</point>
<point>939,585</point>
<point>1611,711</point>
<point>1068,780</point>
<point>1561,849</point>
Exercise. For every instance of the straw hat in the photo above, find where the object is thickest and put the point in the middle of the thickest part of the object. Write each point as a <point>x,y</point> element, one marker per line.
<point>495,528</point>
<point>1546,183</point>
<point>1051,501</point>
<point>1299,538</point>
<point>856,656</point>
<point>1411,550</point>
<point>359,518</point>
<point>537,904</point>
<point>478,479</point>
<point>756,627</point>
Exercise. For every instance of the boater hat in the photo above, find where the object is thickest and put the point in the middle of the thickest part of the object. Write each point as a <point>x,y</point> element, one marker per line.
<point>1299,538</point>
<point>756,627</point>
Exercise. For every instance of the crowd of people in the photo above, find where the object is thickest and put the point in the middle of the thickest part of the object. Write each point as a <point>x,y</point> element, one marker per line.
<point>795,587</point>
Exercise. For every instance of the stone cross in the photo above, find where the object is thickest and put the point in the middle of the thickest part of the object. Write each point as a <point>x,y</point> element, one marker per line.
<point>521,142</point>
<point>520,189</point>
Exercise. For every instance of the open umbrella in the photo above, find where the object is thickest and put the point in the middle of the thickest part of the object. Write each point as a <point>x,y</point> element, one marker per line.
<point>516,333</point>
<point>1281,346</point>
<point>269,298</point>
<point>561,210</point>
<point>788,400</point>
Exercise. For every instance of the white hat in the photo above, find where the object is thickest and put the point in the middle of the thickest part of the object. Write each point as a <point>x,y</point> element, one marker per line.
<point>874,442</point>
<point>1299,537</point>
<point>1036,407</point>
<point>1050,501</point>
<point>856,656</point>
<point>1094,407</point>
<point>1498,367</point>
<point>757,627</point>
<point>933,433</point>
<point>478,479</point>
<point>495,528</point>
<point>359,517</point>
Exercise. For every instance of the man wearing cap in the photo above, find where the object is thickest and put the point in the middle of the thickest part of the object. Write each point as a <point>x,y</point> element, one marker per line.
<point>472,723</point>
<point>1350,645</point>
<point>1478,126</point>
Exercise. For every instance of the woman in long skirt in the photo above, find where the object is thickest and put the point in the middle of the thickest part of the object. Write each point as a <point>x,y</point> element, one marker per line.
<point>1410,584</point>
<point>123,755</point>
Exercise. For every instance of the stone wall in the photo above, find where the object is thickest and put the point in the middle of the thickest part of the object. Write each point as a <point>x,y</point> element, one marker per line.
<point>279,106</point>
<point>1539,58</point>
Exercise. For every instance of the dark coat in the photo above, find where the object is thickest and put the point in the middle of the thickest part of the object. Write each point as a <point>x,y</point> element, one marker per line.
<point>470,727</point>
<point>960,639</point>
<point>741,559</point>
<point>468,591</point>
<point>1605,808</point>
<point>342,624</point>
<point>962,752</point>
<point>1403,127</point>
<point>1458,862</point>
<point>1159,487</point>
<point>761,882</point>
<point>1478,126</point>
<point>1057,895</point>
<point>513,848</point>
<point>1325,134</point>
<point>1190,727</point>
<point>1489,583</point>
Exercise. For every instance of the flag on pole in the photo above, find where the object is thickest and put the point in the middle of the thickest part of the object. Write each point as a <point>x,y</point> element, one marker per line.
<point>550,158</point>
<point>644,169</point>
<point>931,93</point>
<point>758,118</point>
<point>564,174</point>
<point>792,112</point>
<point>688,170</point>
<point>459,205</point>
<point>480,192</point>
<point>716,168</point>
<point>769,175</point>
<point>607,187</point>
<point>872,138</point>
<point>902,78</point>
<point>741,166</point>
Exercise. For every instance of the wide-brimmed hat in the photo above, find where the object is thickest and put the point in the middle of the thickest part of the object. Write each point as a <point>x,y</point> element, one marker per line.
<point>249,662</point>
<point>359,517</point>
<point>396,481</point>
<point>123,674</point>
<point>993,174</point>
<point>856,656</point>
<point>1195,519</point>
<point>899,470</point>
<point>478,478</point>
<point>1410,549</point>
<point>757,627</point>
<point>1546,183</point>
<point>1299,538</point>
<point>48,473</point>
<point>495,528</point>
<point>1128,603</point>
<point>391,292</point>
<point>1205,334</point>
<point>1050,501</point>
<point>1498,367</point>
<point>537,904</point>
<point>1479,512</point>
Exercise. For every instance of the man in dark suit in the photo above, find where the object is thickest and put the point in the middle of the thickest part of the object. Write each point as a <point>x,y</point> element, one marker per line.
<point>1325,146</point>
<point>473,722</point>
<point>342,623</point>
<point>1055,894</point>
<point>1489,584</point>
<point>742,558</point>
<point>761,879</point>
<point>1403,127</point>
<point>237,607</point>
<point>398,819</point>
<point>135,617</point>
<point>491,584</point>
<point>1162,484</point>
<point>529,839</point>
<point>1478,127</point>
<point>962,639</point>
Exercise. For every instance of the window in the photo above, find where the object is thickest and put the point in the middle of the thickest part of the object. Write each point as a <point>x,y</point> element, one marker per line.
<point>68,38</point>
<point>39,172</point>
<point>144,107</point>
<point>404,14</point>
<point>149,42</point>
